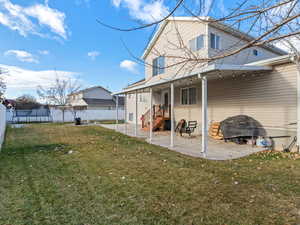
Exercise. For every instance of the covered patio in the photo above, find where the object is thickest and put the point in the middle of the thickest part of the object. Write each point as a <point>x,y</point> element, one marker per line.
<point>218,150</point>
<point>202,145</point>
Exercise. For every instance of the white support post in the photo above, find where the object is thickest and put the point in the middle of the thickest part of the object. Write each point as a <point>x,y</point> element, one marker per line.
<point>204,115</point>
<point>151,117</point>
<point>172,116</point>
<point>136,114</point>
<point>125,113</point>
<point>298,104</point>
<point>117,110</point>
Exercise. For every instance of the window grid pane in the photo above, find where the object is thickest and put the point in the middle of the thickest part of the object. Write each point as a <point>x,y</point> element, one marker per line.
<point>192,96</point>
<point>153,67</point>
<point>212,40</point>
<point>196,43</point>
<point>161,64</point>
<point>217,42</point>
<point>184,96</point>
<point>158,65</point>
<point>192,45</point>
<point>200,42</point>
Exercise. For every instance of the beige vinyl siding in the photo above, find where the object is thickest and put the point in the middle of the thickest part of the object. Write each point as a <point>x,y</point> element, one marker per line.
<point>167,42</point>
<point>229,43</point>
<point>143,106</point>
<point>269,98</point>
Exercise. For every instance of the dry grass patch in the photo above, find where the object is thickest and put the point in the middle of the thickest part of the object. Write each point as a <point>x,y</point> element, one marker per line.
<point>62,174</point>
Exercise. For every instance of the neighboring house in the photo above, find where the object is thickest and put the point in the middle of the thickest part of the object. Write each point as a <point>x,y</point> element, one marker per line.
<point>260,82</point>
<point>94,98</point>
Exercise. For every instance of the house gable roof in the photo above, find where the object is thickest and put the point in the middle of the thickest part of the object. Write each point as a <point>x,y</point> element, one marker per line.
<point>136,83</point>
<point>88,89</point>
<point>104,102</point>
<point>208,20</point>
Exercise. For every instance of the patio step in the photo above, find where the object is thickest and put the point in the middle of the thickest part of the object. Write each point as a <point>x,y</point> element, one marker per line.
<point>158,124</point>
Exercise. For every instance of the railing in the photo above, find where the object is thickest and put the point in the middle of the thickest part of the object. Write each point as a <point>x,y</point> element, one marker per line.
<point>158,110</point>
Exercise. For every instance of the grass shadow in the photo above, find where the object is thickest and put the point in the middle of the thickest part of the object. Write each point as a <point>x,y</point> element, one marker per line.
<point>31,149</point>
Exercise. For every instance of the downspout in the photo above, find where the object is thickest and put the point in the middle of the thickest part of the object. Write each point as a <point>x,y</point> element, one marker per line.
<point>296,59</point>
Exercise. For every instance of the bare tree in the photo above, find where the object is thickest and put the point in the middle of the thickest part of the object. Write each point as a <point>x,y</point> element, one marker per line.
<point>264,23</point>
<point>2,85</point>
<point>27,101</point>
<point>58,93</point>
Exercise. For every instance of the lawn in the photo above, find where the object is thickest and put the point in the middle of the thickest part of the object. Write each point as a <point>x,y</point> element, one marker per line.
<point>62,174</point>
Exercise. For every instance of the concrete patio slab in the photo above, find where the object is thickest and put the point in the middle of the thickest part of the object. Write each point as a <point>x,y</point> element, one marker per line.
<point>217,150</point>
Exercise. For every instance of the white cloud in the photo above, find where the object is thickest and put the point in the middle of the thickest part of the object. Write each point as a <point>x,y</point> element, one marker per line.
<point>49,17</point>
<point>43,52</point>
<point>116,3</point>
<point>20,81</point>
<point>32,19</point>
<point>93,55</point>
<point>129,65</point>
<point>146,12</point>
<point>22,56</point>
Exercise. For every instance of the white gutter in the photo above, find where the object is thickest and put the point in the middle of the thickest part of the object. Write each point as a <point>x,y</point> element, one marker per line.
<point>295,60</point>
<point>271,61</point>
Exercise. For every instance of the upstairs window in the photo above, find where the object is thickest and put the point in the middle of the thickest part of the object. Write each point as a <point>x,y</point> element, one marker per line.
<point>214,41</point>
<point>158,65</point>
<point>197,43</point>
<point>188,96</point>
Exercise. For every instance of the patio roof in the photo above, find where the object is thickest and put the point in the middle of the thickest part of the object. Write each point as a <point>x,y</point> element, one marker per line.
<point>208,71</point>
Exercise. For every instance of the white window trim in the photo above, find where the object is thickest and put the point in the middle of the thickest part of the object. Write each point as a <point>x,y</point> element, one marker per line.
<point>195,39</point>
<point>181,95</point>
<point>163,68</point>
<point>188,95</point>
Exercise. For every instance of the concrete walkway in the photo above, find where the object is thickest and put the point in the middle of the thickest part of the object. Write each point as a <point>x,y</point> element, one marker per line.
<point>217,150</point>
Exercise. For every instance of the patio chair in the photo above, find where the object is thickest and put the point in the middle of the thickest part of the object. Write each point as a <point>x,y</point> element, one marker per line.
<point>188,129</point>
<point>191,127</point>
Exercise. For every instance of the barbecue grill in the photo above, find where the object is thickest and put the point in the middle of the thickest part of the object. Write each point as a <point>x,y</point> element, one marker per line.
<point>241,128</point>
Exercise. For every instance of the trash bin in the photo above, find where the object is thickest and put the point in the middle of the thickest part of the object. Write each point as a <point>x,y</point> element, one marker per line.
<point>77,121</point>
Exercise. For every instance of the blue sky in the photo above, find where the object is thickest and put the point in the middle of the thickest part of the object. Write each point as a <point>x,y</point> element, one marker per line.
<point>44,39</point>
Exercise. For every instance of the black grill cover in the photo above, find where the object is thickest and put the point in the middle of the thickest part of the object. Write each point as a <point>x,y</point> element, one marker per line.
<point>241,126</point>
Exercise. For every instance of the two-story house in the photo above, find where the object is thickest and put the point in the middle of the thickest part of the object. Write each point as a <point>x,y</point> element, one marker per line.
<point>94,98</point>
<point>260,82</point>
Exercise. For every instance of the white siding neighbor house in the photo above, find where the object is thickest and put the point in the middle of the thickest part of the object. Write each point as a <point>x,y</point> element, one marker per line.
<point>259,82</point>
<point>94,98</point>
